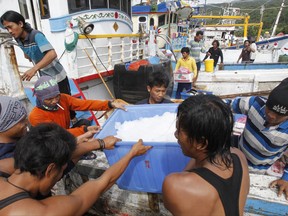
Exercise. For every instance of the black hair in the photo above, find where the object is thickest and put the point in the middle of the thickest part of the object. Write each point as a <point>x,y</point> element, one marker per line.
<point>208,120</point>
<point>217,42</point>
<point>185,49</point>
<point>13,16</point>
<point>246,41</point>
<point>44,144</point>
<point>252,39</point>
<point>199,33</point>
<point>158,78</point>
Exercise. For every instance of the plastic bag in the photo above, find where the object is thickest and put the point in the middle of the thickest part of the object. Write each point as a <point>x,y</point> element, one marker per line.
<point>183,70</point>
<point>134,66</point>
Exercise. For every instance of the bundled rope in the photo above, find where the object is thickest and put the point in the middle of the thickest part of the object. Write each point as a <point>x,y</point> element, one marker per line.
<point>246,94</point>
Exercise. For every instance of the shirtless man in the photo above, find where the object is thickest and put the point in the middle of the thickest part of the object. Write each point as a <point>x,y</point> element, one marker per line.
<point>216,181</point>
<point>40,159</point>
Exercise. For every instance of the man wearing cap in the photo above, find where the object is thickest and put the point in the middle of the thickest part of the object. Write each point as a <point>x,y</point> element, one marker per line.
<point>53,106</point>
<point>265,137</point>
<point>13,124</point>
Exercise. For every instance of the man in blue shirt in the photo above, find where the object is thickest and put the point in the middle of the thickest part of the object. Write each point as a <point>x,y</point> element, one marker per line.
<point>38,50</point>
<point>265,137</point>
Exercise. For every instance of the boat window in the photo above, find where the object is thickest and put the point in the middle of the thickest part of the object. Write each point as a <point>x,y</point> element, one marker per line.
<point>98,4</point>
<point>126,6</point>
<point>78,5</point>
<point>115,4</point>
<point>23,8</point>
<point>81,5</point>
<point>161,20</point>
<point>142,19</point>
<point>151,22</point>
<point>44,9</point>
<point>173,18</point>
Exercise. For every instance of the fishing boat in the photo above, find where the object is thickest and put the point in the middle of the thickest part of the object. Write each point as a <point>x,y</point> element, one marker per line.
<point>167,17</point>
<point>110,40</point>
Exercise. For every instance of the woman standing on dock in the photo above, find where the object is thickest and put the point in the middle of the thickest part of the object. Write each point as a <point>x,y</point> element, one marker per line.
<point>214,53</point>
<point>246,51</point>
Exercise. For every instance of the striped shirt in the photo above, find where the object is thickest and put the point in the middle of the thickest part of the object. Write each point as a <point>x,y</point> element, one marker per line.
<point>262,145</point>
<point>195,48</point>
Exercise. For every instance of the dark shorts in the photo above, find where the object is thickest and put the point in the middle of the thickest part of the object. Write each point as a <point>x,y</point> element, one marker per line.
<point>181,87</point>
<point>64,86</point>
<point>198,64</point>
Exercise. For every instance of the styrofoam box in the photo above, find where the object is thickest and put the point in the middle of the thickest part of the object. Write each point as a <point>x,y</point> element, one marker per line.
<point>145,173</point>
<point>185,78</point>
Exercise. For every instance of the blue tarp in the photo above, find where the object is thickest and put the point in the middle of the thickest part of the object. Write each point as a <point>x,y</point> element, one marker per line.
<point>147,8</point>
<point>142,8</point>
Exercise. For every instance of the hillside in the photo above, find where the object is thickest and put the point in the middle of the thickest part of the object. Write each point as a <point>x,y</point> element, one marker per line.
<point>253,8</point>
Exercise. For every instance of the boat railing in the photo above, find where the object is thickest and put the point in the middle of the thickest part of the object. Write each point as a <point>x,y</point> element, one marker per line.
<point>106,51</point>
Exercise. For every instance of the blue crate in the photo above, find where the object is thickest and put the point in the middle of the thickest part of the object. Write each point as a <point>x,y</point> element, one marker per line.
<point>145,173</point>
<point>185,95</point>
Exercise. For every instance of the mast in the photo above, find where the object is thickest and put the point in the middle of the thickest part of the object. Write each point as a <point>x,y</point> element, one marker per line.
<point>277,19</point>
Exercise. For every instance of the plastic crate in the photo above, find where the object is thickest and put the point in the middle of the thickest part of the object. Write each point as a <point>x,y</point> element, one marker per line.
<point>185,95</point>
<point>145,173</point>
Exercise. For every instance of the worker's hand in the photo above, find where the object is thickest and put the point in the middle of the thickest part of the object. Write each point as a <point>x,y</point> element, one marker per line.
<point>118,104</point>
<point>28,74</point>
<point>88,136</point>
<point>94,129</point>
<point>208,54</point>
<point>139,149</point>
<point>282,187</point>
<point>110,141</point>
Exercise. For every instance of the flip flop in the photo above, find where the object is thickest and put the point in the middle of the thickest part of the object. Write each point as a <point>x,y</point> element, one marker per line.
<point>89,156</point>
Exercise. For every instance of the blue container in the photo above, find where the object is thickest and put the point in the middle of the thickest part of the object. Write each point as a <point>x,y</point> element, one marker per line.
<point>154,60</point>
<point>185,95</point>
<point>145,173</point>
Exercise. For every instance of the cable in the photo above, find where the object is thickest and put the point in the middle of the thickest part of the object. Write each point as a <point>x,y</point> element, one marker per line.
<point>95,52</point>
<point>170,45</point>
<point>62,54</point>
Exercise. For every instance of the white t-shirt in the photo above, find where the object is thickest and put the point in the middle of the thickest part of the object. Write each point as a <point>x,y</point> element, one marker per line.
<point>253,54</point>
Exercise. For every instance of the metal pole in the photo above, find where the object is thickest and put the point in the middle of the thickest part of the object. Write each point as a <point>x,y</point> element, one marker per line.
<point>99,74</point>
<point>277,19</point>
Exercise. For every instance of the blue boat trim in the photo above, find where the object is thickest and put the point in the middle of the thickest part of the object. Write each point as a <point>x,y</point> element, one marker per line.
<point>59,24</point>
<point>253,66</point>
<point>262,207</point>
